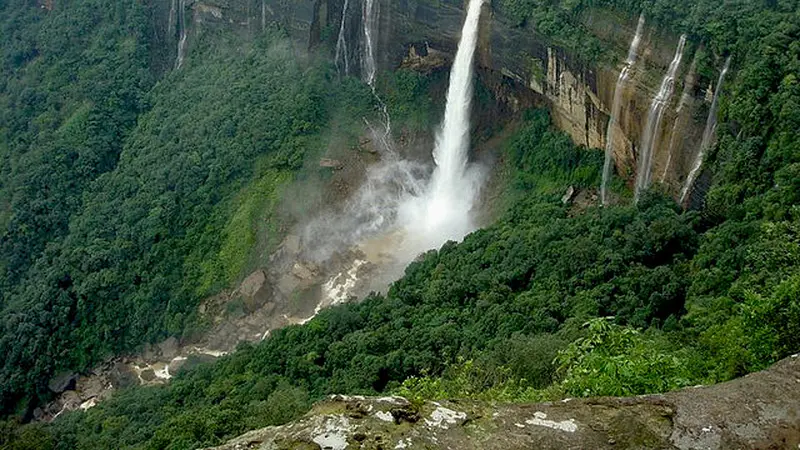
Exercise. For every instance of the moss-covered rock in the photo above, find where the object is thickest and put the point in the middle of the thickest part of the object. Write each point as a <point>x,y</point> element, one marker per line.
<point>758,411</point>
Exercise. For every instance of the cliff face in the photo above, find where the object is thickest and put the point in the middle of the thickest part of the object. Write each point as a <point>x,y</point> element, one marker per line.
<point>761,410</point>
<point>521,66</point>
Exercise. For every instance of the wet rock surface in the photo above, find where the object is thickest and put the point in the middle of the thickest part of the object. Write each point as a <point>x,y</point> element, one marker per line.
<point>761,410</point>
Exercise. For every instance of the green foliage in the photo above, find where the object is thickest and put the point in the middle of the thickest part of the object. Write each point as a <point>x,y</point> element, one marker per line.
<point>407,95</point>
<point>554,163</point>
<point>617,361</point>
<point>491,300</point>
<point>173,214</point>
<point>253,207</point>
<point>559,21</point>
<point>469,380</point>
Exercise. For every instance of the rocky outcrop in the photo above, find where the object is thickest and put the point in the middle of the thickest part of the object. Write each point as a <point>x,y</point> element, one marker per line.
<point>761,410</point>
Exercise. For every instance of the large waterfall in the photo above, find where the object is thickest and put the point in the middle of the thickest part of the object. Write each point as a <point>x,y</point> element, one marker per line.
<point>403,208</point>
<point>616,106</point>
<point>444,212</point>
<point>708,134</point>
<point>653,124</point>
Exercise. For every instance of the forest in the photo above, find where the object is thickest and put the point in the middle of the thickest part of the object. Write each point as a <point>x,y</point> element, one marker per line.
<point>128,195</point>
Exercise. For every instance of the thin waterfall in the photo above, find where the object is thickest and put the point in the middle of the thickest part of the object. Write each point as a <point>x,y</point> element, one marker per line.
<point>653,124</point>
<point>263,15</point>
<point>686,97</point>
<point>616,106</point>
<point>342,58</point>
<point>369,69</point>
<point>182,40</point>
<point>708,133</point>
<point>370,16</point>
<point>171,23</point>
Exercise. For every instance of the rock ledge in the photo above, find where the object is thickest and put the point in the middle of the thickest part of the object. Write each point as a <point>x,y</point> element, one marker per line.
<point>761,410</point>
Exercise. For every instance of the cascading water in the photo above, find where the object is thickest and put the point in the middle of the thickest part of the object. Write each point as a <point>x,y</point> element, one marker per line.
<point>370,16</point>
<point>444,212</point>
<point>396,214</point>
<point>708,134</point>
<point>342,58</point>
<point>182,40</point>
<point>171,23</point>
<point>369,69</point>
<point>616,106</point>
<point>686,97</point>
<point>653,124</point>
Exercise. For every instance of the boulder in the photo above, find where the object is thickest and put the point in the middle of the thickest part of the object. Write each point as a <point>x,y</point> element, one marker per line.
<point>64,381</point>
<point>568,196</point>
<point>253,283</point>
<point>331,163</point>
<point>169,348</point>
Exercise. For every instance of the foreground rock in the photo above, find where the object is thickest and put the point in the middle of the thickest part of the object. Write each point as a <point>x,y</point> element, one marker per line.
<point>761,410</point>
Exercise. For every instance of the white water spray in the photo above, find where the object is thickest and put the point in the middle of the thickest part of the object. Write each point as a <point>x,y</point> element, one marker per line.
<point>445,211</point>
<point>403,209</point>
<point>182,40</point>
<point>653,125</point>
<point>708,134</point>
<point>616,106</point>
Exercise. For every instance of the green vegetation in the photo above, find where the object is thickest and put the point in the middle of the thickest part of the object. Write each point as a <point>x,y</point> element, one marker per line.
<point>131,199</point>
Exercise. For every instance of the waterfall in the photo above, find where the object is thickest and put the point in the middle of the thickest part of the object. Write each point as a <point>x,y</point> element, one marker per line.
<point>341,43</point>
<point>263,15</point>
<point>444,211</point>
<point>182,40</point>
<point>404,209</point>
<point>653,124</point>
<point>369,69</point>
<point>616,106</point>
<point>708,133</point>
<point>171,23</point>
<point>686,97</point>
<point>370,17</point>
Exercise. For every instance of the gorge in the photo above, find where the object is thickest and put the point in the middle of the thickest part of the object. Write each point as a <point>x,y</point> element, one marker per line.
<point>216,214</point>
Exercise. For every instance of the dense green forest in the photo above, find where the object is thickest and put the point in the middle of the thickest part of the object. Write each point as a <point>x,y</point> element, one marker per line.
<point>128,195</point>
<point>130,199</point>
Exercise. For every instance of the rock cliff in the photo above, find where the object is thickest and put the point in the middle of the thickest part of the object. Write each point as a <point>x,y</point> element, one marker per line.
<point>761,410</point>
<point>522,66</point>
